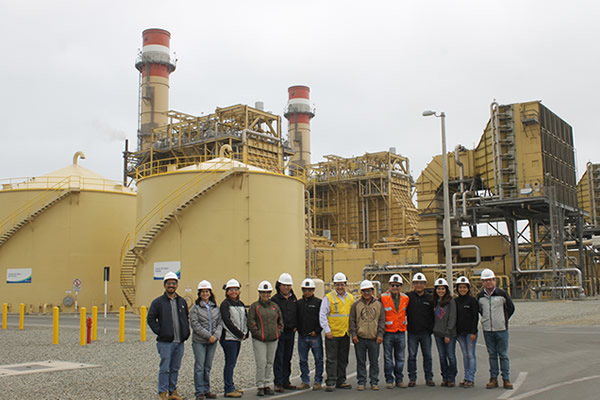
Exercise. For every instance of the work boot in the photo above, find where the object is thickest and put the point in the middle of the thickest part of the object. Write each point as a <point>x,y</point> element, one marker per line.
<point>163,396</point>
<point>389,385</point>
<point>269,391</point>
<point>430,382</point>
<point>329,388</point>
<point>210,395</point>
<point>260,392</point>
<point>343,386</point>
<point>412,383</point>
<point>303,386</point>
<point>360,388</point>
<point>507,384</point>
<point>233,394</point>
<point>493,383</point>
<point>279,389</point>
<point>401,384</point>
<point>374,387</point>
<point>200,397</point>
<point>317,386</point>
<point>467,384</point>
<point>175,396</point>
<point>289,386</point>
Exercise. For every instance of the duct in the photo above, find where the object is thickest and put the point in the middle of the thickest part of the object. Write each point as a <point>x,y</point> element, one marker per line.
<point>77,155</point>
<point>461,167</point>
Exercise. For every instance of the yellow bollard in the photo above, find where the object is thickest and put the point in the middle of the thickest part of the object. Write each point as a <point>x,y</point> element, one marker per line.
<point>121,324</point>
<point>143,323</point>
<point>94,323</point>
<point>4,312</point>
<point>22,316</point>
<point>82,327</point>
<point>55,325</point>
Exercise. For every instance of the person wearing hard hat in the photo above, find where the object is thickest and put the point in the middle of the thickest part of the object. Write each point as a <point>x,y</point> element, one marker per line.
<point>444,331</point>
<point>394,339</point>
<point>265,323</point>
<point>467,318</point>
<point>168,317</point>
<point>235,329</point>
<point>205,319</point>
<point>496,308</point>
<point>309,335</point>
<point>334,317</point>
<point>367,325</point>
<point>419,314</point>
<point>286,300</point>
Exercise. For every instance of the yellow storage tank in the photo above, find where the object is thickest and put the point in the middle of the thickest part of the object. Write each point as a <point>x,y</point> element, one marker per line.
<point>216,220</point>
<point>58,232</point>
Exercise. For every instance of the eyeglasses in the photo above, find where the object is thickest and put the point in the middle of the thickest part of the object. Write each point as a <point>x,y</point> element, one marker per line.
<point>395,285</point>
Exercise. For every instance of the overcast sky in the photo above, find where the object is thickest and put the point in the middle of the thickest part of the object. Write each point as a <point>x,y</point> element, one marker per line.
<point>69,81</point>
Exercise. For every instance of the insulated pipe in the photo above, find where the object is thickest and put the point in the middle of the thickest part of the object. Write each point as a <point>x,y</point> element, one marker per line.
<point>77,155</point>
<point>460,166</point>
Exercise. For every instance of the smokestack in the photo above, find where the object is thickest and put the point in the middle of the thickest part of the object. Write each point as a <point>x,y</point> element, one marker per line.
<point>155,66</point>
<point>299,113</point>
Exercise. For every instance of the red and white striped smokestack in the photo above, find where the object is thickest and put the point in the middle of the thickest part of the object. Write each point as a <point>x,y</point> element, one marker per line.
<point>155,65</point>
<point>299,113</point>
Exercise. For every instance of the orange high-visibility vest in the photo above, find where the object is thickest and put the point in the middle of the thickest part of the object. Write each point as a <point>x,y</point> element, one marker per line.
<point>395,320</point>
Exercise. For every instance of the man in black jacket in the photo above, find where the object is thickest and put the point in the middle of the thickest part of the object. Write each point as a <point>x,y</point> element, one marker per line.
<point>286,300</point>
<point>309,335</point>
<point>419,314</point>
<point>168,318</point>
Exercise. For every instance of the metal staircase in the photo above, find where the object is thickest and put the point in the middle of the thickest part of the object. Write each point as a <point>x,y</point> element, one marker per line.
<point>153,223</point>
<point>506,153</point>
<point>33,208</point>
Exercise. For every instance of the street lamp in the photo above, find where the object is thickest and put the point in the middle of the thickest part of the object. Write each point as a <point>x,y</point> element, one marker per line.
<point>447,232</point>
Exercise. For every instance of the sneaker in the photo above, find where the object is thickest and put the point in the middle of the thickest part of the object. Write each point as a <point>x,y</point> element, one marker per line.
<point>430,382</point>
<point>234,394</point>
<point>210,395</point>
<point>329,388</point>
<point>289,386</point>
<point>317,386</point>
<point>401,384</point>
<point>279,389</point>
<point>344,386</point>
<point>269,391</point>
<point>389,385</point>
<point>174,396</point>
<point>468,384</point>
<point>507,384</point>
<point>303,386</point>
<point>374,387</point>
<point>360,388</point>
<point>163,396</point>
<point>260,392</point>
<point>493,383</point>
<point>412,383</point>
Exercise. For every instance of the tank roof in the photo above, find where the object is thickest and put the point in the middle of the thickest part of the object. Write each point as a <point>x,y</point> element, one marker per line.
<point>221,163</point>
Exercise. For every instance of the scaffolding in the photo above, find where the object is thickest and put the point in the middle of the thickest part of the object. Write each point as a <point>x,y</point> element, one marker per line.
<point>362,200</point>
<point>250,135</point>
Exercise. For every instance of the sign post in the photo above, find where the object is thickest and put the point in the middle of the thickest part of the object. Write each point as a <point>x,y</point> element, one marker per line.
<point>106,279</point>
<point>76,289</point>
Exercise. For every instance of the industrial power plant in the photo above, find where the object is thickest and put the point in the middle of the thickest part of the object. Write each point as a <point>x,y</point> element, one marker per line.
<point>230,194</point>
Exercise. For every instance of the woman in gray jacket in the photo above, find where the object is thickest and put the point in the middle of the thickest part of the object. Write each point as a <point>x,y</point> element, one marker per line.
<point>207,327</point>
<point>444,331</point>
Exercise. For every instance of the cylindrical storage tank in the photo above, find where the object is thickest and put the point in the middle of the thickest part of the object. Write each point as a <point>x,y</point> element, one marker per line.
<point>246,224</point>
<point>58,232</point>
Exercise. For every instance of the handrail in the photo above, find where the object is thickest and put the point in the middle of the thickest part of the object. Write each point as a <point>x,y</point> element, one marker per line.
<point>48,182</point>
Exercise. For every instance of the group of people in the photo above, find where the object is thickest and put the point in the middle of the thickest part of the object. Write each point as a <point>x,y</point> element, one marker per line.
<point>338,319</point>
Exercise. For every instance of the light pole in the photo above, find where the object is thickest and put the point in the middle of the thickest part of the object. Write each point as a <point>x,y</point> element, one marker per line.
<point>447,232</point>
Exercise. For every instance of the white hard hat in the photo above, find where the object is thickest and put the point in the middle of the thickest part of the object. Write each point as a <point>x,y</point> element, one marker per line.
<point>232,283</point>
<point>170,275</point>
<point>463,279</point>
<point>396,279</point>
<point>265,286</point>
<point>285,279</point>
<point>366,284</point>
<point>487,274</point>
<point>419,277</point>
<point>441,282</point>
<point>308,284</point>
<point>339,277</point>
<point>204,285</point>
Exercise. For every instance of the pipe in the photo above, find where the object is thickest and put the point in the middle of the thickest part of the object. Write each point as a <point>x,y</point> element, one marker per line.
<point>460,166</point>
<point>77,155</point>
<point>309,237</point>
<point>223,149</point>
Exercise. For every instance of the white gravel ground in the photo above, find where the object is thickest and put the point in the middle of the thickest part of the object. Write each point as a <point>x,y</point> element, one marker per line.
<point>129,370</point>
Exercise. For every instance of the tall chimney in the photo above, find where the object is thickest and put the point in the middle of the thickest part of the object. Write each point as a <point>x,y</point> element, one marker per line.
<point>299,113</point>
<point>155,66</point>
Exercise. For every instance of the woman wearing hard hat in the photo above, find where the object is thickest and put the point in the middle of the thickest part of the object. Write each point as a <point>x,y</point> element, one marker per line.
<point>265,322</point>
<point>444,331</point>
<point>207,327</point>
<point>467,318</point>
<point>235,329</point>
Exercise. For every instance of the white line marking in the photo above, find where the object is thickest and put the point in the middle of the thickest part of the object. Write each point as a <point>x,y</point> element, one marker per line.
<point>551,387</point>
<point>520,379</point>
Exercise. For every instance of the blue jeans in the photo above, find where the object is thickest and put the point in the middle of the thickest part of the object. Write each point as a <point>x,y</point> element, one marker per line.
<point>497,347</point>
<point>170,362</point>
<point>282,366</point>
<point>394,344</point>
<point>231,348</point>
<point>315,345</point>
<point>447,353</point>
<point>363,348</point>
<point>469,355</point>
<point>424,339</point>
<point>203,356</point>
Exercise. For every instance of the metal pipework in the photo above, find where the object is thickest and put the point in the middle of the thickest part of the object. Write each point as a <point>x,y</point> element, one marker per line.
<point>78,155</point>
